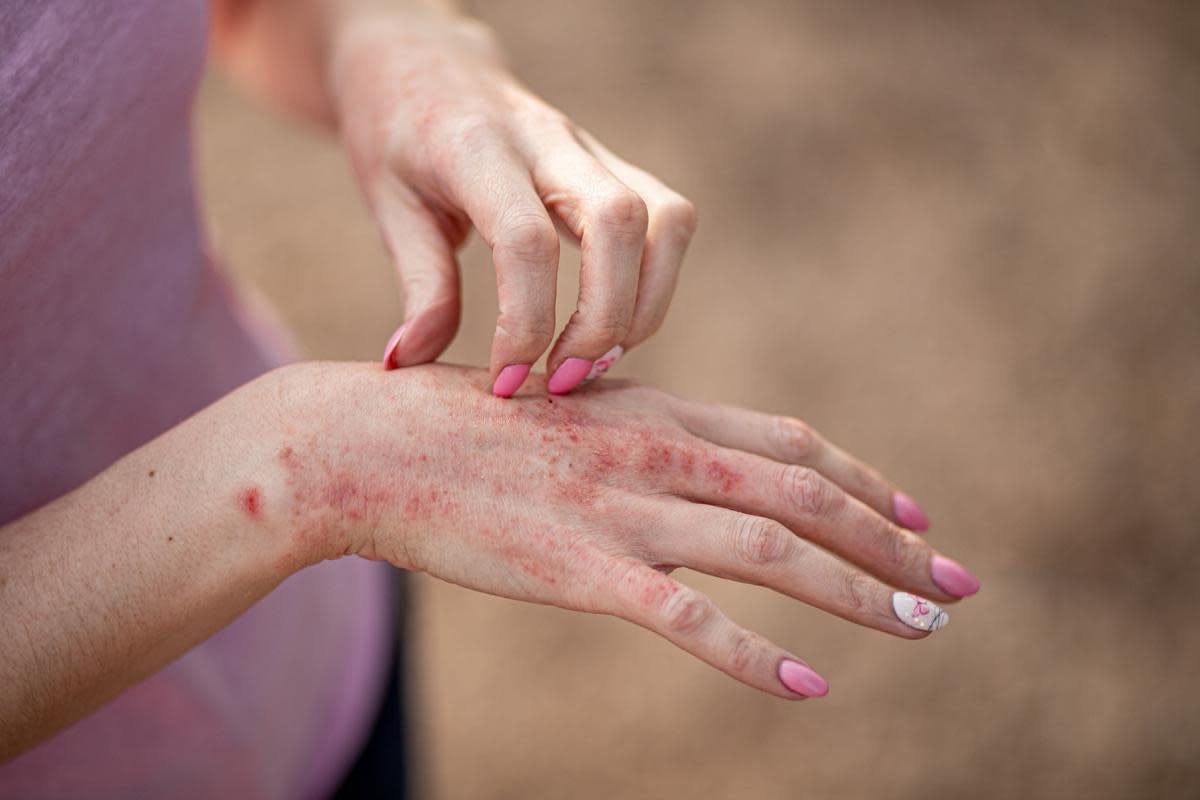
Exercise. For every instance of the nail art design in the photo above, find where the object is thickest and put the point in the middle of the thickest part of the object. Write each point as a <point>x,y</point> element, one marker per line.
<point>917,612</point>
<point>604,363</point>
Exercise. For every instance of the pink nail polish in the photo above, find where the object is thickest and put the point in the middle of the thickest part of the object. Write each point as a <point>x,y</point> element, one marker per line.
<point>952,577</point>
<point>908,513</point>
<point>510,379</point>
<point>569,375</point>
<point>389,352</point>
<point>801,679</point>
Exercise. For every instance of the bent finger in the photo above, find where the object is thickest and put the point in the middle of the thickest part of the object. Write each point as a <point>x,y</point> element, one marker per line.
<point>816,508</point>
<point>691,621</point>
<point>609,219</point>
<point>672,223</point>
<point>494,187</point>
<point>761,551</point>
<point>427,271</point>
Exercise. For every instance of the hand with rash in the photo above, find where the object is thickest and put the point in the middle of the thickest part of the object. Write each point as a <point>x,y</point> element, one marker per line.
<point>587,502</point>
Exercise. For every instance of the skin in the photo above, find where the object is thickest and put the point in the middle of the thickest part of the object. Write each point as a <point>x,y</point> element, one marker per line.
<point>584,502</point>
<point>442,139</point>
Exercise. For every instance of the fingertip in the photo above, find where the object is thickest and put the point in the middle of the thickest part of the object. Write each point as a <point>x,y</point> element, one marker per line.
<point>908,513</point>
<point>952,577</point>
<point>802,679</point>
<point>423,336</point>
<point>569,375</point>
<point>389,351</point>
<point>510,379</point>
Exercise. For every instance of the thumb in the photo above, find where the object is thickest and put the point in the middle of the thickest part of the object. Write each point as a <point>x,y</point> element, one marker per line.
<point>428,274</point>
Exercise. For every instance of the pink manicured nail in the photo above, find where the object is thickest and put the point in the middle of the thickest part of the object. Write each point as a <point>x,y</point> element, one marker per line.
<point>389,352</point>
<point>569,375</point>
<point>952,577</point>
<point>802,680</point>
<point>604,363</point>
<point>908,513</point>
<point>510,379</point>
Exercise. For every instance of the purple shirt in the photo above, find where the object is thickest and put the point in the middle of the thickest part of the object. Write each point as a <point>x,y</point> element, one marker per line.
<point>114,326</point>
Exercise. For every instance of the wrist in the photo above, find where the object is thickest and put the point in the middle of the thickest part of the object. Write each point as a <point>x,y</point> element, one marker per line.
<point>373,41</point>
<point>330,479</point>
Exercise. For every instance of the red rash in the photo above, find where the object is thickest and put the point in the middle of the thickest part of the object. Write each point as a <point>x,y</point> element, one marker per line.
<point>251,501</point>
<point>725,478</point>
<point>656,591</point>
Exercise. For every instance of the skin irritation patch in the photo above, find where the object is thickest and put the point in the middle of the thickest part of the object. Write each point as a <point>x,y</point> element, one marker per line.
<point>251,501</point>
<point>564,465</point>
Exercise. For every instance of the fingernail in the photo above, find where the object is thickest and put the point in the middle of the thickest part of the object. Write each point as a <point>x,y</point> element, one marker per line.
<point>917,612</point>
<point>802,680</point>
<point>604,363</point>
<point>389,352</point>
<point>510,379</point>
<point>952,577</point>
<point>908,513</point>
<point>568,375</point>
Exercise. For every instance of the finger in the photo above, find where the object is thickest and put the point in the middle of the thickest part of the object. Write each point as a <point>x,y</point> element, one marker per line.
<point>671,227</point>
<point>609,219</point>
<point>757,550</point>
<point>817,509</point>
<point>791,441</point>
<point>494,188</point>
<point>692,622</point>
<point>428,274</point>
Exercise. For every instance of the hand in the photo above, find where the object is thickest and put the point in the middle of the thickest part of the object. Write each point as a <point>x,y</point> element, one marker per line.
<point>442,137</point>
<point>586,502</point>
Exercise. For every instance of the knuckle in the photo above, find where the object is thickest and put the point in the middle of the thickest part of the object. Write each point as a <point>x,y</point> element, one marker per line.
<point>641,329</point>
<point>602,325</point>
<point>742,652</point>
<point>624,211</point>
<point>482,36</point>
<point>679,214</point>
<point>808,492</point>
<point>856,591</point>
<point>760,541</point>
<point>687,611</point>
<point>464,133</point>
<point>794,440</point>
<point>526,329</point>
<point>901,547</point>
<point>536,116</point>
<point>530,238</point>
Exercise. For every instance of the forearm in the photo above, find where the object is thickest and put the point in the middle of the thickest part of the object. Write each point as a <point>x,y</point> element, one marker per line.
<point>111,582</point>
<point>281,49</point>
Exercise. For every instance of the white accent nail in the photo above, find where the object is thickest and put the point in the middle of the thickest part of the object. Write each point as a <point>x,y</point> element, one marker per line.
<point>917,612</point>
<point>604,363</point>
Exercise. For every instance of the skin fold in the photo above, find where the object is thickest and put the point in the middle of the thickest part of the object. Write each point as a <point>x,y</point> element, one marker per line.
<point>584,502</point>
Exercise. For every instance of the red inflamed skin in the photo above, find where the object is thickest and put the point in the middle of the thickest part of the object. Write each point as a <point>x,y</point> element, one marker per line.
<point>589,502</point>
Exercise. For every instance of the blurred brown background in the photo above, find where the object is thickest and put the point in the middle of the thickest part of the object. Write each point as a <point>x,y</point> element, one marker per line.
<point>960,239</point>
